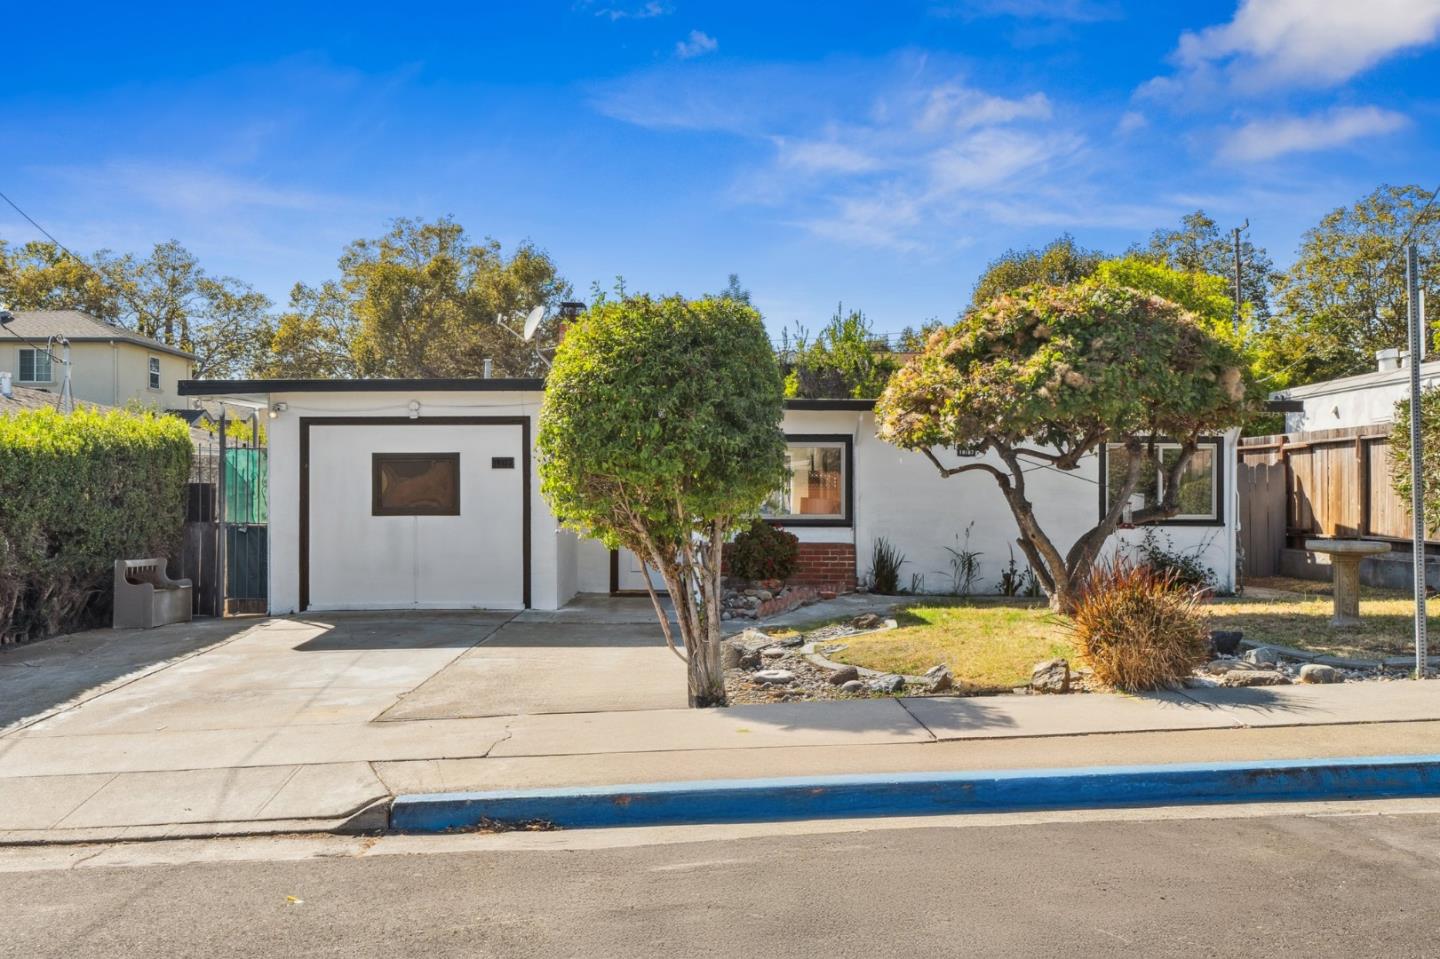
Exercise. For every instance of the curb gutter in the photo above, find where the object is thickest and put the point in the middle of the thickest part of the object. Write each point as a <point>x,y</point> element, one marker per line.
<point>915,794</point>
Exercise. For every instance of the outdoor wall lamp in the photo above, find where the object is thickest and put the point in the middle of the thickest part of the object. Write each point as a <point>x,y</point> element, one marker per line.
<point>414,409</point>
<point>277,408</point>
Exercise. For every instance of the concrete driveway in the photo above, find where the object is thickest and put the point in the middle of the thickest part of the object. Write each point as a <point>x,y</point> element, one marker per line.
<point>600,653</point>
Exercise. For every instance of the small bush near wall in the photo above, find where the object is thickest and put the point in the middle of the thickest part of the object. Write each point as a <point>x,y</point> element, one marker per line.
<point>77,492</point>
<point>764,552</point>
<point>1138,628</point>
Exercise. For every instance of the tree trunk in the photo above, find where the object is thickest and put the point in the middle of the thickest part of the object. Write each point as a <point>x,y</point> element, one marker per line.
<point>705,674</point>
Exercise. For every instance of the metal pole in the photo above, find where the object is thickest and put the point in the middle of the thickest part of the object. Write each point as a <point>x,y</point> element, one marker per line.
<point>222,565</point>
<point>1417,490</point>
<point>1238,296</point>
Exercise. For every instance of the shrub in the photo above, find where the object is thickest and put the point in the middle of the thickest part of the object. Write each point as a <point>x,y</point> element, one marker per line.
<point>77,492</point>
<point>1184,565</point>
<point>764,552</point>
<point>1137,628</point>
<point>885,563</point>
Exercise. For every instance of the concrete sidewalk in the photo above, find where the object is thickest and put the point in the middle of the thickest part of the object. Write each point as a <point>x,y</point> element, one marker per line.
<point>314,724</point>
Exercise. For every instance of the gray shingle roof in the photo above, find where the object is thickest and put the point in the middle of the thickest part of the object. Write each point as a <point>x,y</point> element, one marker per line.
<point>81,327</point>
<point>25,398</point>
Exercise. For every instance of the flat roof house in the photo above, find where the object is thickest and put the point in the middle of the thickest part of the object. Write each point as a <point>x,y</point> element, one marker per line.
<point>109,365</point>
<point>424,494</point>
<point>1366,399</point>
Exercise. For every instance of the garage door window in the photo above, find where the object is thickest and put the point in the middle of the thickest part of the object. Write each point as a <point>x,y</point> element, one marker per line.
<point>416,484</point>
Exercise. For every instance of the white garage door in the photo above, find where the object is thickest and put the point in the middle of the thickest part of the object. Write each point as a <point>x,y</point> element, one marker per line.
<point>426,515</point>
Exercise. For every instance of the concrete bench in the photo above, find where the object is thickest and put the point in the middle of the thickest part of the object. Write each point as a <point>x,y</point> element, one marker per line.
<point>145,596</point>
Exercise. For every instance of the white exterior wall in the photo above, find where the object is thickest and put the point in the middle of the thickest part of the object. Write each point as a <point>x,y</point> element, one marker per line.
<point>1362,400</point>
<point>900,496</point>
<point>552,551</point>
<point>896,495</point>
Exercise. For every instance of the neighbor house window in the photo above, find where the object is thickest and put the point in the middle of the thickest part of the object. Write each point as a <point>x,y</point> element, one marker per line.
<point>34,366</point>
<point>415,484</point>
<point>817,485</point>
<point>154,372</point>
<point>1199,495</point>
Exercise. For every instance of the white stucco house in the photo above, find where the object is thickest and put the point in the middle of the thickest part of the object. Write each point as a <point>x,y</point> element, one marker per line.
<point>1366,399</point>
<point>424,494</point>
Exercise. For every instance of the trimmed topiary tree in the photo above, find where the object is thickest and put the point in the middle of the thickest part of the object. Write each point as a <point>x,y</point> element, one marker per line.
<point>659,431</point>
<point>1044,377</point>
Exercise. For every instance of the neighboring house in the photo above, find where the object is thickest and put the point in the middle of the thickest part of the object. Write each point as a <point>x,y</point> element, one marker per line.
<point>1367,399</point>
<point>424,493</point>
<point>108,365</point>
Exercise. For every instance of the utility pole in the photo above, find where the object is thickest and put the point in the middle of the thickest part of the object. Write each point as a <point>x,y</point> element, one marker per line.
<point>1417,488</point>
<point>1238,297</point>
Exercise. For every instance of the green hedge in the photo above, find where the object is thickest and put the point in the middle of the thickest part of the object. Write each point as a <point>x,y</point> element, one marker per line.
<point>77,492</point>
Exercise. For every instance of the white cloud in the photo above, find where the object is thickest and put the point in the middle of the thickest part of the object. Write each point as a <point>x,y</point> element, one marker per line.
<point>823,156</point>
<point>894,155</point>
<point>697,44</point>
<point>1130,121</point>
<point>1299,43</point>
<point>1267,139</point>
<point>626,11</point>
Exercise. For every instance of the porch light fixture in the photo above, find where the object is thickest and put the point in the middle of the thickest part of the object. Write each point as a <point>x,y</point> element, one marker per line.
<point>414,409</point>
<point>277,408</point>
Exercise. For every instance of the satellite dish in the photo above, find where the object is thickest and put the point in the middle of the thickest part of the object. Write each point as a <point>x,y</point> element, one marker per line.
<point>532,322</point>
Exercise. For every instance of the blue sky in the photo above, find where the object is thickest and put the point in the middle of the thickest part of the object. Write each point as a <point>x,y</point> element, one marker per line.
<point>878,154</point>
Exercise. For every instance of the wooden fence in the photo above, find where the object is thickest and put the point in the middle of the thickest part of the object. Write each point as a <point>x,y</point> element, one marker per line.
<point>1323,483</point>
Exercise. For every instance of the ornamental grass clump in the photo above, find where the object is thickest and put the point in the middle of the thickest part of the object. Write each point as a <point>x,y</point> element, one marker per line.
<point>1139,628</point>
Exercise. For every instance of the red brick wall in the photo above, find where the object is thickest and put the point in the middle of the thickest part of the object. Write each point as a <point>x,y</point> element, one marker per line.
<point>822,565</point>
<point>826,565</point>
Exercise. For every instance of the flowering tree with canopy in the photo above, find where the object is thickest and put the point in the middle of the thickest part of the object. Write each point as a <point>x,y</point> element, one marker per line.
<point>1046,377</point>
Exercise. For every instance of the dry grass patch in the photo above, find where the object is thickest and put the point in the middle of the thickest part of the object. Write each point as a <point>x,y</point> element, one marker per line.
<point>988,645</point>
<point>1387,626</point>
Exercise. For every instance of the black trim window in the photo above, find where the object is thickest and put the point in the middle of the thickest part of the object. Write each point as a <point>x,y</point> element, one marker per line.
<point>415,484</point>
<point>817,491</point>
<point>1201,484</point>
<point>35,366</point>
<point>154,372</point>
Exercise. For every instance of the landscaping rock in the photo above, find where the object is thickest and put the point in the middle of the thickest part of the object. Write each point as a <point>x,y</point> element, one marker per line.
<point>1051,676</point>
<point>775,677</point>
<point>939,682</point>
<point>889,683</point>
<point>1254,677</point>
<point>868,621</point>
<point>844,675</point>
<point>731,656</point>
<point>774,652</point>
<point>1226,642</point>
<point>852,687</point>
<point>827,594</point>
<point>751,640</point>
<point>1316,673</point>
<point>1262,656</point>
<point>1219,667</point>
<point>750,660</point>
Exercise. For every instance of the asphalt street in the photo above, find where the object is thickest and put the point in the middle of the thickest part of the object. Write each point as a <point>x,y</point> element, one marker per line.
<point>1272,886</point>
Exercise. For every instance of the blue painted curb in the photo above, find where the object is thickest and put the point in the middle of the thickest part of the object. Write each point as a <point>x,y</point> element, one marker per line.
<point>929,793</point>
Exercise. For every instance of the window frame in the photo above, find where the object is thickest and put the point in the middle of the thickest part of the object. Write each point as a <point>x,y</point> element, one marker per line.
<point>1218,442</point>
<point>847,482</point>
<point>152,371</point>
<point>378,460</point>
<point>36,355</point>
